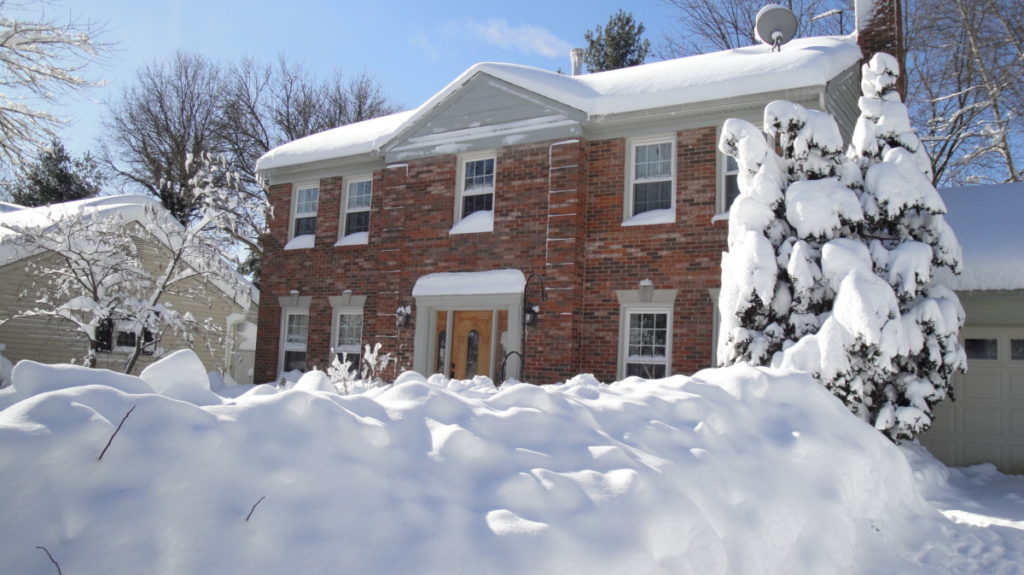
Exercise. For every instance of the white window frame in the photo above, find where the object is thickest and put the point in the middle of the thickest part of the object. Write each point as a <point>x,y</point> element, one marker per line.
<point>347,304</point>
<point>343,231</point>
<point>632,302</point>
<point>724,173</point>
<point>635,143</point>
<point>295,213</point>
<point>461,192</point>
<point>291,306</point>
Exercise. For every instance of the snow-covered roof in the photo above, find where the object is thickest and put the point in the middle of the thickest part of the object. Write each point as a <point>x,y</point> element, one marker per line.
<point>9,207</point>
<point>128,206</point>
<point>131,207</point>
<point>679,82</point>
<point>987,221</point>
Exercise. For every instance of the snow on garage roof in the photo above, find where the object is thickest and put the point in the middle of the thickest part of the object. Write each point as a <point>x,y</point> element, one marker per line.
<point>987,221</point>
<point>707,77</point>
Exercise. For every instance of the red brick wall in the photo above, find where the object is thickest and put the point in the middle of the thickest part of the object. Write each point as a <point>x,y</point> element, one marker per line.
<point>558,213</point>
<point>684,255</point>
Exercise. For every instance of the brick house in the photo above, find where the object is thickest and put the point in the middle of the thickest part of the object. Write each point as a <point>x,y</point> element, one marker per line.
<point>547,224</point>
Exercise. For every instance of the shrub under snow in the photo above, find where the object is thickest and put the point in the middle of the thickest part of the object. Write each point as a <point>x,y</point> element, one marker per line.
<point>831,258</point>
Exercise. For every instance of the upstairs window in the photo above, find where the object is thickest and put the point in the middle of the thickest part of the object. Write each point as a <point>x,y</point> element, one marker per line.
<point>474,202</point>
<point>358,194</point>
<point>651,178</point>
<point>306,198</point>
<point>477,185</point>
<point>730,181</point>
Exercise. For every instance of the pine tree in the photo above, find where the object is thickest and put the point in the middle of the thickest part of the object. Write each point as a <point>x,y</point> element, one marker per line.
<point>57,177</point>
<point>617,45</point>
<point>857,240</point>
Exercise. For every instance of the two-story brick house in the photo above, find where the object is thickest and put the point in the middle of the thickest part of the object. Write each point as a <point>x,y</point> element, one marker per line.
<point>552,224</point>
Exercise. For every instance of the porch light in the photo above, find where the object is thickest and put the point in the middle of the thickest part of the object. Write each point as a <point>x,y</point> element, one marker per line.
<point>294,295</point>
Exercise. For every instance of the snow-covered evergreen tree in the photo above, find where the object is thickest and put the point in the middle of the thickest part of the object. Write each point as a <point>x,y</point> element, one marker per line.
<point>851,295</point>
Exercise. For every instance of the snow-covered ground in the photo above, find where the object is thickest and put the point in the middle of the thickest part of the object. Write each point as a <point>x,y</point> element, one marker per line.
<point>735,470</point>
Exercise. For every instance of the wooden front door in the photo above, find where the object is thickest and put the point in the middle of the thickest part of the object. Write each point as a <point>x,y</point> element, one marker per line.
<point>471,343</point>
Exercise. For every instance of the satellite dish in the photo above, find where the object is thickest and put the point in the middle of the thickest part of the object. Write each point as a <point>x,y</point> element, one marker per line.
<point>775,25</point>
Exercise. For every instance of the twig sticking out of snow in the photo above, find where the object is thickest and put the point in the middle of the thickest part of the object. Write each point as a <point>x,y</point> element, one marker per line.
<point>111,440</point>
<point>52,560</point>
<point>260,500</point>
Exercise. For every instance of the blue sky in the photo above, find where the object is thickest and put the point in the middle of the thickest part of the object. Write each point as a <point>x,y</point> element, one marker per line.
<point>413,47</point>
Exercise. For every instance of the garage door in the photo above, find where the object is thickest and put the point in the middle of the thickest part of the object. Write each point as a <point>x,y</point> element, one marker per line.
<point>986,422</point>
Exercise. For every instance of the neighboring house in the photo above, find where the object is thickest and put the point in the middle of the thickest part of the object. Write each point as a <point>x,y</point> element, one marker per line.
<point>576,222</point>
<point>54,341</point>
<point>986,422</point>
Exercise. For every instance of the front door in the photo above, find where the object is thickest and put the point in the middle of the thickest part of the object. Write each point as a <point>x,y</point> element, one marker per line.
<point>471,343</point>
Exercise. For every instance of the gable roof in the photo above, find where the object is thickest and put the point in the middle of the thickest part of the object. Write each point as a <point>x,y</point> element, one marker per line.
<point>129,207</point>
<point>986,220</point>
<point>670,83</point>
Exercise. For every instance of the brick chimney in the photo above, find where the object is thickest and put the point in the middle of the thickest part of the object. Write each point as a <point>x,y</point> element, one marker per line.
<point>880,29</point>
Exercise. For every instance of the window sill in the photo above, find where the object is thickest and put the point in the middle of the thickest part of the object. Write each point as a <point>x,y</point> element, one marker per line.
<point>721,217</point>
<point>303,242</point>
<point>356,239</point>
<point>475,223</point>
<point>666,216</point>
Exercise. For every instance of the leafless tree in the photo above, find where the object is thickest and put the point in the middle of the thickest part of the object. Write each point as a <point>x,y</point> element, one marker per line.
<point>189,113</point>
<point>166,117</point>
<point>706,25</point>
<point>41,60</point>
<point>965,71</point>
<point>966,66</point>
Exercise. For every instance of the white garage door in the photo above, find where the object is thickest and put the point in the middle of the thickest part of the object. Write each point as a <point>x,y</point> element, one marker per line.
<point>986,422</point>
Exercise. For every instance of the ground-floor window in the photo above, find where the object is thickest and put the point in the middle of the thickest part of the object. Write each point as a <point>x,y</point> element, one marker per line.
<point>645,331</point>
<point>296,332</point>
<point>647,348</point>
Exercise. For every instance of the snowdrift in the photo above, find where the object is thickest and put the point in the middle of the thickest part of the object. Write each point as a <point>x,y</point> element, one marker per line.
<point>736,470</point>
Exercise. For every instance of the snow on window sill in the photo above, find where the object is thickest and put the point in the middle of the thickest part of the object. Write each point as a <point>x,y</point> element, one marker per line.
<point>721,217</point>
<point>356,239</point>
<point>303,242</point>
<point>477,222</point>
<point>666,216</point>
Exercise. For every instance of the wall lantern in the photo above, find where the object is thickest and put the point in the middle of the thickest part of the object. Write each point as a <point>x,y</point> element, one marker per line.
<point>403,316</point>
<point>531,311</point>
<point>294,297</point>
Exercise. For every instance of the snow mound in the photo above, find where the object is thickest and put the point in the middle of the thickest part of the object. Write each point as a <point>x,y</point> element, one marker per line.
<point>736,470</point>
<point>181,375</point>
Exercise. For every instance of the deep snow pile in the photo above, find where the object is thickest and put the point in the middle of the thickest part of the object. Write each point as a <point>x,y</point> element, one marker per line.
<point>736,470</point>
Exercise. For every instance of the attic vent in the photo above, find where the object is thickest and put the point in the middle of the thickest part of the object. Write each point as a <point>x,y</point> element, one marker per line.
<point>775,25</point>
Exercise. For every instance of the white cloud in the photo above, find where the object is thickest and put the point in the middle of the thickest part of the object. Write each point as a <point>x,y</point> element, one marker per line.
<point>526,38</point>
